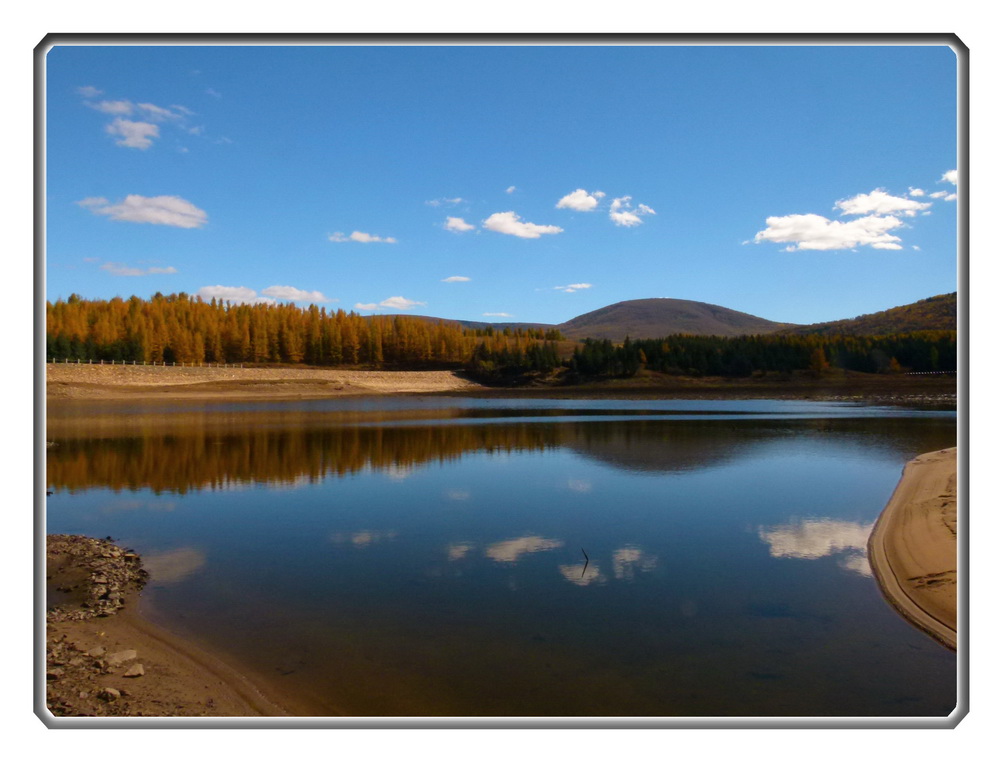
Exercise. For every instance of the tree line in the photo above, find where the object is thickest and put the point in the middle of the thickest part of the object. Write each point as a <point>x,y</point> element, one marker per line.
<point>184,329</point>
<point>741,356</point>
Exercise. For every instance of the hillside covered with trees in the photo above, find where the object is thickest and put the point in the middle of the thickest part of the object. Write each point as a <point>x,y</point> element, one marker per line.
<point>937,313</point>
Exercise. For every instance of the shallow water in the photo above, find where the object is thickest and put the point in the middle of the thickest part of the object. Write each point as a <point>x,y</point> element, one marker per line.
<point>430,556</point>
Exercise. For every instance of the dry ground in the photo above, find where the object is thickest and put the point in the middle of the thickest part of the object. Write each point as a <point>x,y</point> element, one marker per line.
<point>82,381</point>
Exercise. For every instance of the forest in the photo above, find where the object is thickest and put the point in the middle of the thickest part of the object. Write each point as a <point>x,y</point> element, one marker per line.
<point>741,356</point>
<point>182,329</point>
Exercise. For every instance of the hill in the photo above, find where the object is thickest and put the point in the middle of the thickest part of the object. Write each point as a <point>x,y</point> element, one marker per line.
<point>653,318</point>
<point>937,313</point>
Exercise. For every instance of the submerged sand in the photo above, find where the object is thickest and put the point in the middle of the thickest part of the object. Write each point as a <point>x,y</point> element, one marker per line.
<point>913,548</point>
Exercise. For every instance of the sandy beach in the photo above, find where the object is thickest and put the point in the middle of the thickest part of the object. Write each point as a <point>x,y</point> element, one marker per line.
<point>913,548</point>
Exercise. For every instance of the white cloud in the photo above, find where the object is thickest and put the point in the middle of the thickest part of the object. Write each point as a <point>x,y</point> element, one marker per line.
<point>158,113</point>
<point>234,294</point>
<point>214,93</point>
<point>951,176</point>
<point>445,201</point>
<point>509,223</point>
<point>509,551</point>
<point>133,134</point>
<point>88,91</point>
<point>880,202</point>
<point>497,314</point>
<point>580,200</point>
<point>455,279</point>
<point>939,194</point>
<point>157,210</point>
<point>457,225</point>
<point>393,303</point>
<point>813,232</point>
<point>621,212</point>
<point>360,237</point>
<point>292,294</point>
<point>112,107</point>
<point>916,192</point>
<point>116,268</point>
<point>573,287</point>
<point>400,303</point>
<point>511,189</point>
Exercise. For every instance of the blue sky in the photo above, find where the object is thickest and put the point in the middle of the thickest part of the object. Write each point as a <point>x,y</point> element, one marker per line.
<point>525,183</point>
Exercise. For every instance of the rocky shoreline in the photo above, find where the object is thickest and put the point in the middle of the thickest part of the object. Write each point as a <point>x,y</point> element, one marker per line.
<point>87,578</point>
<point>103,660</point>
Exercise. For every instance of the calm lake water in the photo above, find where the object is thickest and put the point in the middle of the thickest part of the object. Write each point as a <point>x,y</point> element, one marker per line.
<point>461,557</point>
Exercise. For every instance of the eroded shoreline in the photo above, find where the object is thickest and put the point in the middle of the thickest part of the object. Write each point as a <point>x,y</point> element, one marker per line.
<point>913,547</point>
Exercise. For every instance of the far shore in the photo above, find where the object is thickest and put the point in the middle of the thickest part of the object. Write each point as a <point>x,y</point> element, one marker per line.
<point>913,548</point>
<point>72,381</point>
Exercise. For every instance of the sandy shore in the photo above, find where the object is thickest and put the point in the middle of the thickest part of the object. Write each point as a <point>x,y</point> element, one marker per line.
<point>913,548</point>
<point>72,381</point>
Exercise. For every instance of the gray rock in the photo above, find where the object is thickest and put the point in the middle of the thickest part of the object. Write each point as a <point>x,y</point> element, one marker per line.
<point>108,694</point>
<point>120,657</point>
<point>135,670</point>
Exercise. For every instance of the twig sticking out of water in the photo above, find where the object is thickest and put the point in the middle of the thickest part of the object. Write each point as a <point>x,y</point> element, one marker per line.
<point>585,564</point>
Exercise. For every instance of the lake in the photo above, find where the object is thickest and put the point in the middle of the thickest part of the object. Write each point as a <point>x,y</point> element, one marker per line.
<point>433,556</point>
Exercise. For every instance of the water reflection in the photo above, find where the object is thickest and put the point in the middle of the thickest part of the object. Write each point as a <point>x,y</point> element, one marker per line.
<point>582,574</point>
<point>817,538</point>
<point>363,538</point>
<point>230,452</point>
<point>510,551</point>
<point>629,560</point>
<point>459,550</point>
<point>172,566</point>
<point>464,589</point>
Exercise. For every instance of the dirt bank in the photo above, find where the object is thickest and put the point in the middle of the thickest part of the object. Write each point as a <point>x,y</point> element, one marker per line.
<point>72,381</point>
<point>913,548</point>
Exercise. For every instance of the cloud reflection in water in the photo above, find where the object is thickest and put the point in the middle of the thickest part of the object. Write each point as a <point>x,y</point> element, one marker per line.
<point>817,538</point>
<point>509,551</point>
<point>582,574</point>
<point>172,566</point>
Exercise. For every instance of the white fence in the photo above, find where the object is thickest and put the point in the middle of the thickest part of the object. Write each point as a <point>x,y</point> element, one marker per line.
<point>64,361</point>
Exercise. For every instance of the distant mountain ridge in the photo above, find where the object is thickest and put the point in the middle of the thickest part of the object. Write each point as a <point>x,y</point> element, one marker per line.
<point>655,318</point>
<point>652,318</point>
